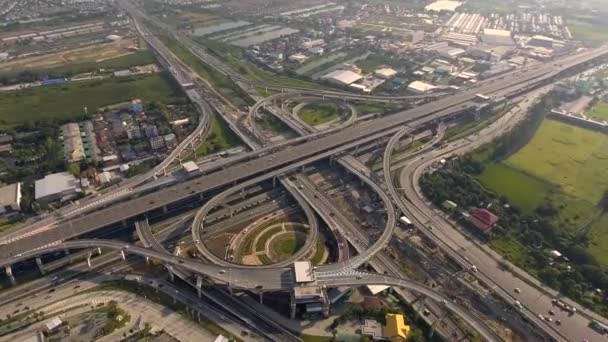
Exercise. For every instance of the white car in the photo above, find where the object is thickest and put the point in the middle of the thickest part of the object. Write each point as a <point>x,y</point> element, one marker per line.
<point>517,290</point>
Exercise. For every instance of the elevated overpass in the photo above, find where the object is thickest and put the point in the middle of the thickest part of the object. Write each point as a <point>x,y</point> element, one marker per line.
<point>295,156</point>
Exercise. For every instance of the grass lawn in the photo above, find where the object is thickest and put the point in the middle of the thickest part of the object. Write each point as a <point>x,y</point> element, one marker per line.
<point>271,123</point>
<point>574,158</point>
<point>510,248</point>
<point>65,102</point>
<point>319,113</point>
<point>598,240</point>
<point>259,246</point>
<point>599,111</point>
<point>591,34</point>
<point>220,138</point>
<point>522,190</point>
<point>320,247</point>
<point>287,244</point>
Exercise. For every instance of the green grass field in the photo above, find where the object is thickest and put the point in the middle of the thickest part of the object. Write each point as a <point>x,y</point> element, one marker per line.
<point>65,102</point>
<point>523,190</point>
<point>287,244</point>
<point>564,165</point>
<point>599,111</point>
<point>141,57</point>
<point>592,34</point>
<point>220,138</point>
<point>319,113</point>
<point>574,158</point>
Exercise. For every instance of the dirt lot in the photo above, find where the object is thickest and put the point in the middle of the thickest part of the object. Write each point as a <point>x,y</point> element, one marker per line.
<point>87,54</point>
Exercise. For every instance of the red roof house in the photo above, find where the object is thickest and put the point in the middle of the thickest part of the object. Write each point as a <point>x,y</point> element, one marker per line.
<point>483,219</point>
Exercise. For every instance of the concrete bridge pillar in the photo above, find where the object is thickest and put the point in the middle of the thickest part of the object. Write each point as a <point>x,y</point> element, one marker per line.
<point>122,254</point>
<point>9,273</point>
<point>124,223</point>
<point>326,303</point>
<point>165,209</point>
<point>147,260</point>
<point>231,210</point>
<point>199,286</point>
<point>201,196</point>
<point>261,297</point>
<point>89,255</point>
<point>292,306</point>
<point>171,274</point>
<point>274,182</point>
<point>40,266</point>
<point>98,250</point>
<point>243,193</point>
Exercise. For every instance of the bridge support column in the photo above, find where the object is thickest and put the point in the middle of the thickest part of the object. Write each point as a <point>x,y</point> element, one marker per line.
<point>40,266</point>
<point>124,223</point>
<point>171,274</point>
<point>292,306</point>
<point>98,250</point>
<point>231,211</point>
<point>9,273</point>
<point>147,260</point>
<point>122,254</point>
<point>326,304</point>
<point>274,182</point>
<point>243,193</point>
<point>177,251</point>
<point>89,259</point>
<point>165,209</point>
<point>201,196</point>
<point>199,286</point>
<point>261,297</point>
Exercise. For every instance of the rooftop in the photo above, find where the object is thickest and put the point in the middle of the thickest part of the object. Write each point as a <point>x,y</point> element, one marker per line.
<point>303,271</point>
<point>10,195</point>
<point>54,184</point>
<point>396,329</point>
<point>342,76</point>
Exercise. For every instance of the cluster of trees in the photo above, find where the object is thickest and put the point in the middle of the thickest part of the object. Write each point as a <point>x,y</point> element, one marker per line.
<point>536,232</point>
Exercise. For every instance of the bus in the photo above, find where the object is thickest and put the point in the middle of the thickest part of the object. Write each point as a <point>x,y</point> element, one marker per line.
<point>406,221</point>
<point>599,327</point>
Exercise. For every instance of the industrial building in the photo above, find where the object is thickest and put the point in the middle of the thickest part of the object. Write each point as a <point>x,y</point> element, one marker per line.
<point>460,40</point>
<point>385,73</point>
<point>497,37</point>
<point>419,87</point>
<point>341,77</point>
<point>10,199</point>
<point>57,186</point>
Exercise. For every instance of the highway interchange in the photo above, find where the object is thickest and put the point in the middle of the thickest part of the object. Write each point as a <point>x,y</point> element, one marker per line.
<point>274,162</point>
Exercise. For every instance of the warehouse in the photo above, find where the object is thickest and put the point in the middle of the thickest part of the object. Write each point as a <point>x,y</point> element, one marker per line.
<point>420,87</point>
<point>342,77</point>
<point>497,37</point>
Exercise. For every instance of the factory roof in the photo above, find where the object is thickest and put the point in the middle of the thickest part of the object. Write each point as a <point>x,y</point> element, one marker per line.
<point>10,195</point>
<point>493,32</point>
<point>344,77</point>
<point>420,86</point>
<point>56,183</point>
<point>385,72</point>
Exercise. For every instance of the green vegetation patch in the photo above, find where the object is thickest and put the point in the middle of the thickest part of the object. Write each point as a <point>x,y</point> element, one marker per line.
<point>592,34</point>
<point>522,190</point>
<point>67,101</point>
<point>286,244</point>
<point>599,111</point>
<point>319,113</point>
<point>574,158</point>
<point>261,244</point>
<point>220,138</point>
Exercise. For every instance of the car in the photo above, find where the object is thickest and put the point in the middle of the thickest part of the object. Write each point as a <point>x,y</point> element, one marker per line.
<point>551,312</point>
<point>517,290</point>
<point>222,271</point>
<point>558,322</point>
<point>518,304</point>
<point>540,316</point>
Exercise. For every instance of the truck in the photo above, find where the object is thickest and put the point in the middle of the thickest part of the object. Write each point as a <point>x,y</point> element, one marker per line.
<point>599,327</point>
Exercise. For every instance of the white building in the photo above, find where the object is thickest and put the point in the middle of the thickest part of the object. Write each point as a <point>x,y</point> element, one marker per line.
<point>342,77</point>
<point>385,73</point>
<point>298,58</point>
<point>419,87</point>
<point>497,37</point>
<point>10,198</point>
<point>57,186</point>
